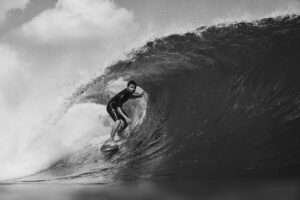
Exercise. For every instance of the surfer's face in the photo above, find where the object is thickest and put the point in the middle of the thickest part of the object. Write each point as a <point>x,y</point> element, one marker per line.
<point>131,88</point>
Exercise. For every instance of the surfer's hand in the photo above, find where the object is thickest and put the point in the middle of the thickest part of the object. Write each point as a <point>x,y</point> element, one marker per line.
<point>128,121</point>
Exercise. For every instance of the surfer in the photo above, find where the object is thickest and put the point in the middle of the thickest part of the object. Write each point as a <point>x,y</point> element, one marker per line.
<point>115,110</point>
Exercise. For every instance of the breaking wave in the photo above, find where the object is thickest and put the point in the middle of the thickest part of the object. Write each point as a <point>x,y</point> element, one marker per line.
<point>222,101</point>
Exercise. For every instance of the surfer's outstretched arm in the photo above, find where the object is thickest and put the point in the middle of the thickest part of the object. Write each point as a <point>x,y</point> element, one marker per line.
<point>138,95</point>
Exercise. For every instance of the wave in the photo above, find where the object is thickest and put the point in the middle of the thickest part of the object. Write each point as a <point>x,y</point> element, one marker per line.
<point>222,101</point>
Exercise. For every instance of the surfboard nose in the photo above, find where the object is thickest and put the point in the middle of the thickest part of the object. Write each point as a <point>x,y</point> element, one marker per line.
<point>109,146</point>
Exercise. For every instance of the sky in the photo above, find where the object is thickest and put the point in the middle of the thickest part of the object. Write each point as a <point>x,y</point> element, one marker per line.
<point>198,12</point>
<point>48,48</point>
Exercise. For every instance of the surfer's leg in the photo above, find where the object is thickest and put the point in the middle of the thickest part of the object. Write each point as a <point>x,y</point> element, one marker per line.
<point>115,129</point>
<point>112,111</point>
<point>124,122</point>
<point>122,128</point>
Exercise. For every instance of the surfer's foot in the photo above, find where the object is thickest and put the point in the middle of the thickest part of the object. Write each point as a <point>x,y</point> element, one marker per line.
<point>116,139</point>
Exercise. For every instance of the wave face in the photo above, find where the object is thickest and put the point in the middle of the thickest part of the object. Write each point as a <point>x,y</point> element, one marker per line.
<point>223,101</point>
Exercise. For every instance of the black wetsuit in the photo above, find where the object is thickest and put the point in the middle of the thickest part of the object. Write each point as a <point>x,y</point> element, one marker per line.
<point>118,101</point>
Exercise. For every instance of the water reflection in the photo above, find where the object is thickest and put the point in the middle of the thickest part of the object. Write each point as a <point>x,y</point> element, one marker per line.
<point>210,190</point>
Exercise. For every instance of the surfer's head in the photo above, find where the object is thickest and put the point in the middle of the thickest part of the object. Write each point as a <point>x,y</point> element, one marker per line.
<point>131,86</point>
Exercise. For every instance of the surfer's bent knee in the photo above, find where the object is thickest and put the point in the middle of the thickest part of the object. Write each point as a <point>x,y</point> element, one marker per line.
<point>118,121</point>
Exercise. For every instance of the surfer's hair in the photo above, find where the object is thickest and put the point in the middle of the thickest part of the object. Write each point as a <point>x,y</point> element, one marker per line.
<point>131,83</point>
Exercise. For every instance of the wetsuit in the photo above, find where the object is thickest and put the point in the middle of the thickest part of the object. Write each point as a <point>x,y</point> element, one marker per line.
<point>118,101</point>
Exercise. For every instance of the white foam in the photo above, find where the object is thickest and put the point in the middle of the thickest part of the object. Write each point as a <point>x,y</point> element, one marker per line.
<point>81,123</point>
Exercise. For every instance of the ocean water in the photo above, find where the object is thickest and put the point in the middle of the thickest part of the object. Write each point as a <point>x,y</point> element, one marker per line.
<point>208,190</point>
<point>222,103</point>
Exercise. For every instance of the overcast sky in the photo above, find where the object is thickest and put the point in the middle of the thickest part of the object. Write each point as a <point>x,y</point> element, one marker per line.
<point>159,13</point>
<point>49,47</point>
<point>197,12</point>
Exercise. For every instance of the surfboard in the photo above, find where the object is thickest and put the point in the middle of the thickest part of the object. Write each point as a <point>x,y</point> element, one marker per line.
<point>110,146</point>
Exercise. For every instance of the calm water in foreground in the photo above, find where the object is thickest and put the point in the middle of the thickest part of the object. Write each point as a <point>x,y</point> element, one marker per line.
<point>210,190</point>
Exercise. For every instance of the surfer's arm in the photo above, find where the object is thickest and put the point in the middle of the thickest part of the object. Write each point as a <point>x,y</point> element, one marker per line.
<point>138,95</point>
<point>123,115</point>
